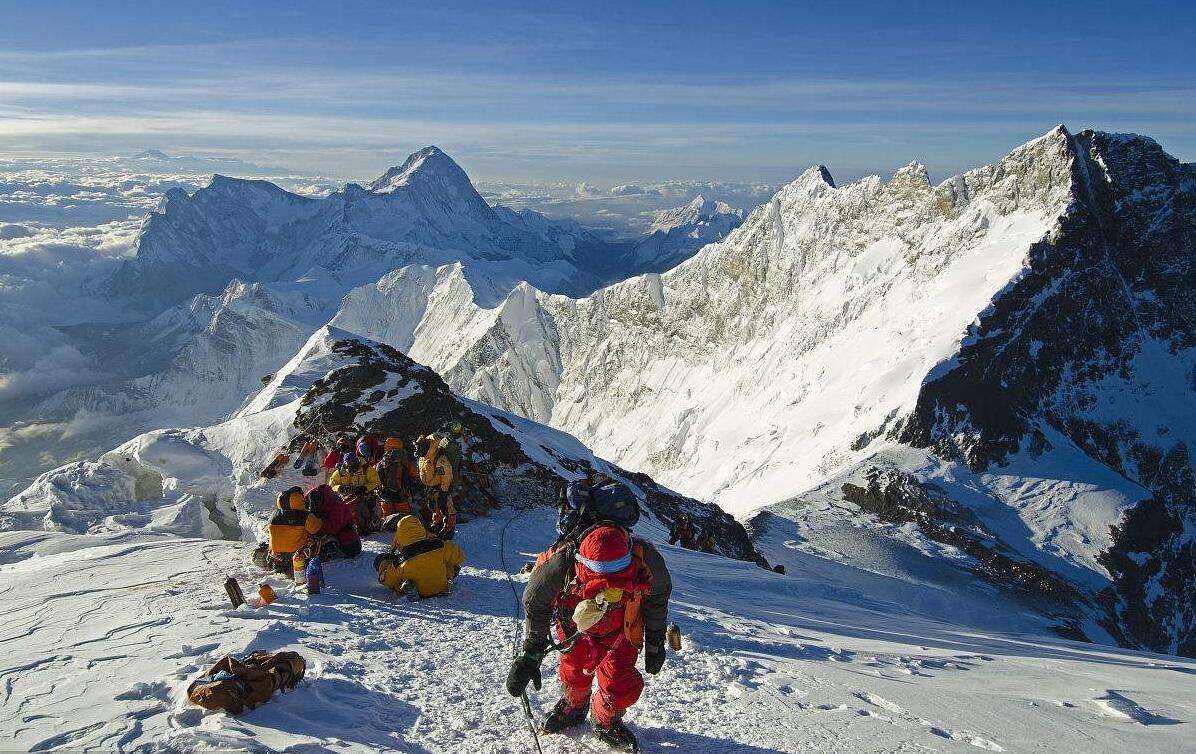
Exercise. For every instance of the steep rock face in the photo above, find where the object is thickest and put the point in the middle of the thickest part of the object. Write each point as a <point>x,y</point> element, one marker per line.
<point>748,371</point>
<point>232,228</point>
<point>1095,341</point>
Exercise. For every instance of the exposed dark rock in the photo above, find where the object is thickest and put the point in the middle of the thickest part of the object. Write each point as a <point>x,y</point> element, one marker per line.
<point>1110,297</point>
<point>403,399</point>
<point>898,498</point>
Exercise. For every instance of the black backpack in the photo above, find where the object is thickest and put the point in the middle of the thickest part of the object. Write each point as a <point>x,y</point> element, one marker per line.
<point>585,505</point>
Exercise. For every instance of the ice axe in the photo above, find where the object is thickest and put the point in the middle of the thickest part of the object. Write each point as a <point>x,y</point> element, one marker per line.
<point>585,615</point>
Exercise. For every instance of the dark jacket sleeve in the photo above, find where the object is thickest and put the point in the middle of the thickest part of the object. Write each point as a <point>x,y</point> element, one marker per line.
<point>546,582</point>
<point>656,604</point>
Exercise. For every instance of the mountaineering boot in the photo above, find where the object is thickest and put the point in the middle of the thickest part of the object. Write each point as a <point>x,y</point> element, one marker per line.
<point>616,736</point>
<point>564,715</point>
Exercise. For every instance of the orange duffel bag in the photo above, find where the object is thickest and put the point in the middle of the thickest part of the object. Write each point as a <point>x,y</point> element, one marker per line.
<point>233,685</point>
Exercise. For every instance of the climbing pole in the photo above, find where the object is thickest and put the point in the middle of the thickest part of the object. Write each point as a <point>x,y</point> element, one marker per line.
<point>517,616</point>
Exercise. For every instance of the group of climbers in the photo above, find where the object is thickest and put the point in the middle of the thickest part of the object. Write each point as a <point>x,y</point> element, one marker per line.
<point>318,523</point>
<point>382,481</point>
<point>598,595</point>
<point>684,533</point>
<point>374,486</point>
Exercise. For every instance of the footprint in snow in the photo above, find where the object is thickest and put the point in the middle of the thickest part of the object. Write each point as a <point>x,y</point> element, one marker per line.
<point>879,701</point>
<point>188,651</point>
<point>977,741</point>
<point>188,717</point>
<point>157,690</point>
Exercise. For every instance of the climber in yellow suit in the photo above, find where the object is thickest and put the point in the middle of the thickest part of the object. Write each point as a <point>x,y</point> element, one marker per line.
<point>436,473</point>
<point>419,561</point>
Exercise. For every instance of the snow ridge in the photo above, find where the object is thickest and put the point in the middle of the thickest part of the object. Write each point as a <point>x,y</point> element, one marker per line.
<point>811,343</point>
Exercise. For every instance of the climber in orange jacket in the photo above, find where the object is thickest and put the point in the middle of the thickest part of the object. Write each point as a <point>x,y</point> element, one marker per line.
<point>436,472</point>
<point>397,473</point>
<point>291,528</point>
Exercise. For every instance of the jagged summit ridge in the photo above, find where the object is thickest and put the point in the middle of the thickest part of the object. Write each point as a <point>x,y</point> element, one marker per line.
<point>783,354</point>
<point>806,264</point>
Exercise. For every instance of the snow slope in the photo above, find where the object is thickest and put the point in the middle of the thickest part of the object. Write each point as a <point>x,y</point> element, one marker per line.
<point>1019,338</point>
<point>105,633</point>
<point>204,481</point>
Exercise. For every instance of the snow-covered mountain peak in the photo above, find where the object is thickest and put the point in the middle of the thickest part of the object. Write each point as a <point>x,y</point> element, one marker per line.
<point>815,178</point>
<point>913,176</point>
<point>699,210</point>
<point>428,166</point>
<point>151,154</point>
<point>315,359</point>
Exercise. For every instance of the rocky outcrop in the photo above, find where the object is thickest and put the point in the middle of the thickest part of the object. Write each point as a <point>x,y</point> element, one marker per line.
<point>898,497</point>
<point>380,390</point>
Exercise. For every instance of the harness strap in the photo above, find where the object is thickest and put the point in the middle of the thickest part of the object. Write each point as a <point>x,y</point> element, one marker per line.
<point>419,548</point>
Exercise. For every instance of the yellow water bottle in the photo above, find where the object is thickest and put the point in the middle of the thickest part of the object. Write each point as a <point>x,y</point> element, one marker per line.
<point>299,566</point>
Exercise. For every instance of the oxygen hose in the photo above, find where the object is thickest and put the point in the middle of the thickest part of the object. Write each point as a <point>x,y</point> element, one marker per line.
<point>518,618</point>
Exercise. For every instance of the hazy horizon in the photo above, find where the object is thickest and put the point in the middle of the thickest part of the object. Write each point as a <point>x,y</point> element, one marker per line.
<point>690,91</point>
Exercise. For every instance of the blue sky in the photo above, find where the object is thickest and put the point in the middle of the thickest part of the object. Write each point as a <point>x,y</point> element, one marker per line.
<point>602,92</point>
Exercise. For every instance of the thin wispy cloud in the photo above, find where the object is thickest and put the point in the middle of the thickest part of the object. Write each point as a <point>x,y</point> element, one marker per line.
<point>528,93</point>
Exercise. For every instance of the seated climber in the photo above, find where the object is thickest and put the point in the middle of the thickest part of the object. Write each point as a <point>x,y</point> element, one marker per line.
<point>418,561</point>
<point>339,537</point>
<point>357,482</point>
<point>369,450</point>
<point>291,528</point>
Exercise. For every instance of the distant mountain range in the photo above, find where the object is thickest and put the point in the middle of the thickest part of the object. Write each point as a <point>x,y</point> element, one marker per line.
<point>227,282</point>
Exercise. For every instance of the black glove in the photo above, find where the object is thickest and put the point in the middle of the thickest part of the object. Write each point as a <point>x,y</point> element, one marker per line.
<point>526,667</point>
<point>654,652</point>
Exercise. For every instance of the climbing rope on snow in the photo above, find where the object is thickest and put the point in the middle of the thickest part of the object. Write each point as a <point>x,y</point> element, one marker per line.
<point>517,616</point>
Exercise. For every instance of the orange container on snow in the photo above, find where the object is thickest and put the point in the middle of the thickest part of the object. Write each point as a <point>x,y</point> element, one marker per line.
<point>266,592</point>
